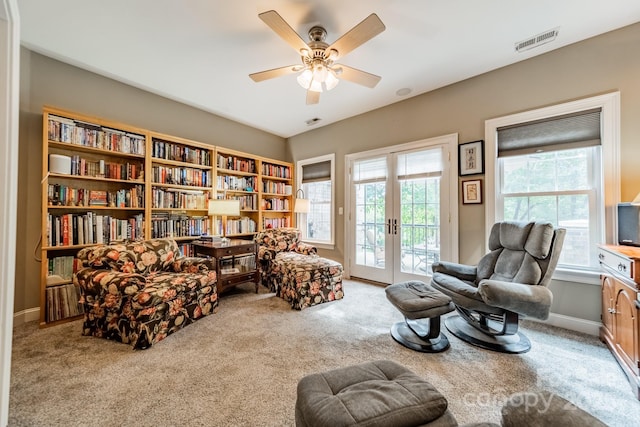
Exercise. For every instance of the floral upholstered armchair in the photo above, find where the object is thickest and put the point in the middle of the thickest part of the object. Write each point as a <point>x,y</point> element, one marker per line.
<point>270,243</point>
<point>139,292</point>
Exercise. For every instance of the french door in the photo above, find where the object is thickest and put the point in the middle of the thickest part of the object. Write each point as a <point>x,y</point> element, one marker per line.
<point>399,213</point>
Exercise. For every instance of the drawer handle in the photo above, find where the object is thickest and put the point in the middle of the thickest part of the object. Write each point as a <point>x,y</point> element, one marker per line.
<point>612,310</point>
<point>622,267</point>
<point>601,256</point>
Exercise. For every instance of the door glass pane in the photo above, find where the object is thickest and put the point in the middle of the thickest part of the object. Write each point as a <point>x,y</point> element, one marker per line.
<point>419,179</point>
<point>370,188</point>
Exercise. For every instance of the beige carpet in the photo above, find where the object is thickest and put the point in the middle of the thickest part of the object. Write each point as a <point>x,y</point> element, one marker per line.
<point>240,367</point>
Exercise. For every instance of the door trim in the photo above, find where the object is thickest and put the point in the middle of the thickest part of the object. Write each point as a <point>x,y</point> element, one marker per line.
<point>451,157</point>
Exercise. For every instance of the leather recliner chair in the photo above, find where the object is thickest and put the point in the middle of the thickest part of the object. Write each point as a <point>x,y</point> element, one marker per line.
<point>509,282</point>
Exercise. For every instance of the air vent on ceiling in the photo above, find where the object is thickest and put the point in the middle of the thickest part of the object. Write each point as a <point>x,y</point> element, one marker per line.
<point>313,121</point>
<point>538,40</point>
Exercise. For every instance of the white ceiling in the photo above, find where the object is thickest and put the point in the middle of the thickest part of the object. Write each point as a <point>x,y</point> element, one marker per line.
<point>200,52</point>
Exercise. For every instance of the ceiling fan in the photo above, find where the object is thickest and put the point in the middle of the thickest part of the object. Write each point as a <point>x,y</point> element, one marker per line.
<point>318,70</point>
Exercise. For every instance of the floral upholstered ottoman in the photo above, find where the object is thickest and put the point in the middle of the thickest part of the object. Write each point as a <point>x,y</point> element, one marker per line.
<point>308,279</point>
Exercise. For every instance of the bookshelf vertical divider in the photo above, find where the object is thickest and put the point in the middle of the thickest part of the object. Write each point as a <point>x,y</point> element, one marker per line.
<point>99,185</point>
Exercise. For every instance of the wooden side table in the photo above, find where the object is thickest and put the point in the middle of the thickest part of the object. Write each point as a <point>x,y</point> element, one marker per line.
<point>236,262</point>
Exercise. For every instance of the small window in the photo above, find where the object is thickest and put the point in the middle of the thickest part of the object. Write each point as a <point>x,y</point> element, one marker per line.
<point>316,183</point>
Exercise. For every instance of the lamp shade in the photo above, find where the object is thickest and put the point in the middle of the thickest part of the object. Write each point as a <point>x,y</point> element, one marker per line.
<point>224,207</point>
<point>301,206</point>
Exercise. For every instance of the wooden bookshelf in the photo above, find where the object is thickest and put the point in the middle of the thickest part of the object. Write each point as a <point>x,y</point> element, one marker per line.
<point>93,191</point>
<point>125,182</point>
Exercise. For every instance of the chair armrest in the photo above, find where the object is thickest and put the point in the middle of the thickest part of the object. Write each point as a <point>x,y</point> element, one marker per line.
<point>526,300</point>
<point>194,265</point>
<point>98,282</point>
<point>266,254</point>
<point>461,271</point>
<point>306,249</point>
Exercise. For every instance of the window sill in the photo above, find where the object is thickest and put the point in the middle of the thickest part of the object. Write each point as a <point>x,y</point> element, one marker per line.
<point>591,277</point>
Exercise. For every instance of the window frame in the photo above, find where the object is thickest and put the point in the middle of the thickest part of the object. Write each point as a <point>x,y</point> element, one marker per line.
<point>610,158</point>
<point>299,165</point>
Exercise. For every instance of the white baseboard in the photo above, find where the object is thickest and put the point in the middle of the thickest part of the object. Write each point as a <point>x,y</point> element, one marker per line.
<point>572,323</point>
<point>28,315</point>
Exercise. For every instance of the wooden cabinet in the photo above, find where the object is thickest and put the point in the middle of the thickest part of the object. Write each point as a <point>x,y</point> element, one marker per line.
<point>620,307</point>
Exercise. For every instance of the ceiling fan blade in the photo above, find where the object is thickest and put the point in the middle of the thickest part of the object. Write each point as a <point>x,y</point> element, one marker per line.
<point>357,76</point>
<point>284,30</point>
<point>276,72</point>
<point>370,27</point>
<point>313,97</point>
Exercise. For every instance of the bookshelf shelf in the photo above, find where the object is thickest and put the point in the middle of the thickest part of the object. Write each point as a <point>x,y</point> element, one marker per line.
<point>83,149</point>
<point>167,183</point>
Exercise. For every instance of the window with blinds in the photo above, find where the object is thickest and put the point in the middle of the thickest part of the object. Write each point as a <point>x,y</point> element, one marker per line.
<point>316,180</point>
<point>550,170</point>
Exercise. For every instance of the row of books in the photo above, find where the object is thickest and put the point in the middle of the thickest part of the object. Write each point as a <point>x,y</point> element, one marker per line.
<point>168,225</point>
<point>238,164</point>
<point>277,171</point>
<point>63,302</point>
<point>276,223</point>
<point>237,183</point>
<point>181,176</point>
<point>180,153</point>
<point>187,249</point>
<point>63,195</point>
<point>101,169</point>
<point>162,198</point>
<point>248,202</point>
<point>244,225</point>
<point>90,228</point>
<point>63,266</point>
<point>62,129</point>
<point>275,187</point>
<point>275,204</point>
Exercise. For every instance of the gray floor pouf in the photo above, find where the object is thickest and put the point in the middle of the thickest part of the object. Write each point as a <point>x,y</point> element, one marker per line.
<point>379,393</point>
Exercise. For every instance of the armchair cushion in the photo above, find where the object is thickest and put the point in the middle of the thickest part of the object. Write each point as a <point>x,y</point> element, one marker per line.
<point>516,252</point>
<point>527,300</point>
<point>138,256</point>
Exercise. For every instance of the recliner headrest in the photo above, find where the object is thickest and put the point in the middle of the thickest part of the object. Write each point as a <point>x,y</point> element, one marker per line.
<point>533,237</point>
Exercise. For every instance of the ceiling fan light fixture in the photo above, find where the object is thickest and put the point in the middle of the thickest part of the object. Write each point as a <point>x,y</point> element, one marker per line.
<point>304,78</point>
<point>332,80</point>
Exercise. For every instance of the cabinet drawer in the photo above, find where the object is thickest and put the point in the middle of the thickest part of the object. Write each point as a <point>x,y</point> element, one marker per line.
<point>234,250</point>
<point>616,262</point>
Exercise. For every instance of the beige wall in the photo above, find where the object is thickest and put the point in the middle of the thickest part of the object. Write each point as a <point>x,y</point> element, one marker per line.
<point>599,65</point>
<point>45,81</point>
<point>603,64</point>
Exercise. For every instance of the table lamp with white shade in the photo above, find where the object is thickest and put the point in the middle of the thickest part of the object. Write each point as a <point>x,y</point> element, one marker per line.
<point>224,208</point>
<point>301,205</point>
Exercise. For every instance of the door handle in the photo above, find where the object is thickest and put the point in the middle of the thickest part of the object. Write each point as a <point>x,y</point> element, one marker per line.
<point>389,226</point>
<point>395,226</point>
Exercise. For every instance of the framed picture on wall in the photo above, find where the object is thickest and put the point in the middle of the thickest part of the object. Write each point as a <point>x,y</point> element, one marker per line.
<point>471,158</point>
<point>471,192</point>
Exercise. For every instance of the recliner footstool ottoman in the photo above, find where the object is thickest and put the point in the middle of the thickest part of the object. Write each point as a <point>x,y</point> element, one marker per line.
<point>378,393</point>
<point>422,306</point>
